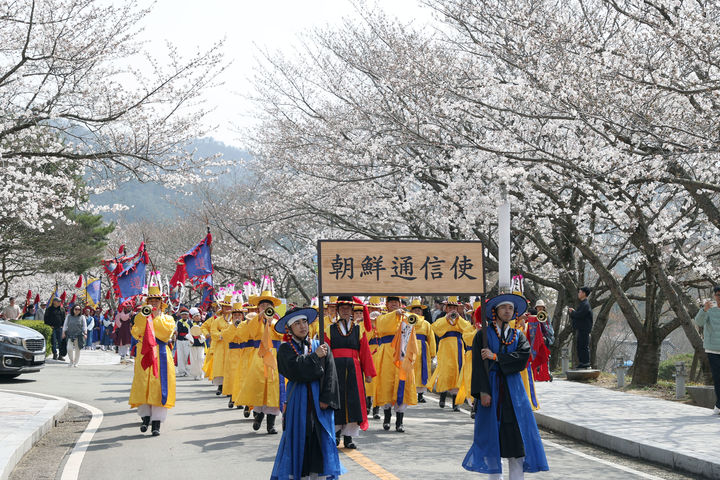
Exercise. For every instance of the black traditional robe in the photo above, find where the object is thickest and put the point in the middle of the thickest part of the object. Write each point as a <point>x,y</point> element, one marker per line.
<point>511,441</point>
<point>353,360</point>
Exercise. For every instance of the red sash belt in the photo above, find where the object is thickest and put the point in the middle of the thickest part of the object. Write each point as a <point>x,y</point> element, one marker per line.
<point>345,353</point>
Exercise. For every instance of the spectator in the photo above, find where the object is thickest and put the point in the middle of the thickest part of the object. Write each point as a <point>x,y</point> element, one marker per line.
<point>90,330</point>
<point>40,311</point>
<point>12,311</point>
<point>709,319</point>
<point>123,339</point>
<point>437,310</point>
<point>75,331</point>
<point>582,319</point>
<point>29,313</point>
<point>55,318</point>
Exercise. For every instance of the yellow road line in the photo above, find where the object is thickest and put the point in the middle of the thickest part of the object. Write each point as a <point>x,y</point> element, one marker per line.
<point>369,465</point>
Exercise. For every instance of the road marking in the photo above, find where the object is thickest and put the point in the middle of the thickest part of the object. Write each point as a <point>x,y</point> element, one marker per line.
<point>577,452</point>
<point>369,465</point>
<point>71,470</point>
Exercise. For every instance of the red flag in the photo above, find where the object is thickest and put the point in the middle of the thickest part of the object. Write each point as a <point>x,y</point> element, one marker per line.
<point>367,322</point>
<point>63,297</point>
<point>79,283</point>
<point>37,299</point>
<point>121,250</point>
<point>107,295</point>
<point>73,299</point>
<point>150,358</point>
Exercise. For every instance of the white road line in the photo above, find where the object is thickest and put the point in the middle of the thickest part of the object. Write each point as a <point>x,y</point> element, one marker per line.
<point>575,452</point>
<point>71,470</point>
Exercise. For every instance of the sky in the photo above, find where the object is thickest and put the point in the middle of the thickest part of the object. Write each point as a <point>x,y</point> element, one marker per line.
<point>247,27</point>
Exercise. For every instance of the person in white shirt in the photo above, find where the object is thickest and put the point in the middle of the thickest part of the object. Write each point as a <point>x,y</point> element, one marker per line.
<point>12,311</point>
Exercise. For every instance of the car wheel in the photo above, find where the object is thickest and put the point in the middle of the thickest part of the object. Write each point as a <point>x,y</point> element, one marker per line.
<point>8,376</point>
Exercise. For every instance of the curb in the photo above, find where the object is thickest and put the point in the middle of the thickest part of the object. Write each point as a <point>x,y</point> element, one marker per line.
<point>49,415</point>
<point>631,448</point>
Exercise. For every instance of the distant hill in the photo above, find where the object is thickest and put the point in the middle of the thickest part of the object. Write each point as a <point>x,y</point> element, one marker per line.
<point>147,200</point>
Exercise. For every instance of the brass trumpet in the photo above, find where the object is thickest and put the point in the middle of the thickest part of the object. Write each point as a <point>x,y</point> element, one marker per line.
<point>269,312</point>
<point>542,316</point>
<point>412,319</point>
<point>146,310</point>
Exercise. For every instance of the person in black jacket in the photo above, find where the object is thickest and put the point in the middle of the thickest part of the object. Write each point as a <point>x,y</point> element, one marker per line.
<point>582,319</point>
<point>55,318</point>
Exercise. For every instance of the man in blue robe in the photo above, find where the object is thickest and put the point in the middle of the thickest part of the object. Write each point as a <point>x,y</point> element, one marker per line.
<point>504,423</point>
<point>307,447</point>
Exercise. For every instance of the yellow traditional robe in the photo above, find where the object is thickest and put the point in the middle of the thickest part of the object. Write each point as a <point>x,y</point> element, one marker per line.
<point>146,388</point>
<point>241,337</point>
<point>424,328</point>
<point>220,349</point>
<point>450,351</point>
<point>465,378</point>
<point>387,380</point>
<point>261,385</point>
<point>231,334</point>
<point>208,364</point>
<point>527,378</point>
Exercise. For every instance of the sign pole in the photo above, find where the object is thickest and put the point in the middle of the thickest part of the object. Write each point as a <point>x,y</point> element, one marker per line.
<point>321,301</point>
<point>504,243</point>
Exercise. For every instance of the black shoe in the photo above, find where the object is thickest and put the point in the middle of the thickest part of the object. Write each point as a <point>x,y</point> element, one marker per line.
<point>145,423</point>
<point>231,404</point>
<point>155,428</point>
<point>55,356</point>
<point>551,377</point>
<point>376,413</point>
<point>218,392</point>
<point>258,421</point>
<point>347,441</point>
<point>271,424</point>
<point>456,408</point>
<point>443,396</point>
<point>421,398</point>
<point>61,358</point>
<point>386,421</point>
<point>473,410</point>
<point>238,406</point>
<point>399,422</point>
<point>337,438</point>
<point>368,404</point>
<point>246,412</point>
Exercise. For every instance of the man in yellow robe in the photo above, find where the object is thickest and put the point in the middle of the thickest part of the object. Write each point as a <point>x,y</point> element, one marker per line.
<point>220,347</point>
<point>153,385</point>
<point>231,334</point>
<point>426,346</point>
<point>375,308</point>
<point>451,350</point>
<point>262,387</point>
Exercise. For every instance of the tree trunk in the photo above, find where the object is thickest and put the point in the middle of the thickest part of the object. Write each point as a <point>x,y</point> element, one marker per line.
<point>647,361</point>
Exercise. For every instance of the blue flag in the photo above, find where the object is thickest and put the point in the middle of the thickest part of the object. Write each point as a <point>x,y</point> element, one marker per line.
<point>92,292</point>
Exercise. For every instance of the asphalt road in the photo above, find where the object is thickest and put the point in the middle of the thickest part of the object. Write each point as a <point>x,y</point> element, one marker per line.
<point>204,439</point>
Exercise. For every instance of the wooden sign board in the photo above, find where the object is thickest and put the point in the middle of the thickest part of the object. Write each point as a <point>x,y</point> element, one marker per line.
<point>404,267</point>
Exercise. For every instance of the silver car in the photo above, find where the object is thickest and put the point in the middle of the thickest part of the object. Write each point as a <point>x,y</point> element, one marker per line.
<point>22,350</point>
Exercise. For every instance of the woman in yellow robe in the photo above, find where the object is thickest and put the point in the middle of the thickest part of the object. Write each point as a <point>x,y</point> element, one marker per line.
<point>262,387</point>
<point>153,388</point>
<point>246,351</point>
<point>450,352</point>
<point>209,354</point>
<point>220,349</point>
<point>427,348</point>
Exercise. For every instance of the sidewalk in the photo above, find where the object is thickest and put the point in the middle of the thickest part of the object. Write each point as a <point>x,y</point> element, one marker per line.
<point>681,436</point>
<point>90,358</point>
<point>24,420</point>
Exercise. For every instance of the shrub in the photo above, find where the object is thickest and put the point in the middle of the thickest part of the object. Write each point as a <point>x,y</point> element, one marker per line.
<point>40,326</point>
<point>667,367</point>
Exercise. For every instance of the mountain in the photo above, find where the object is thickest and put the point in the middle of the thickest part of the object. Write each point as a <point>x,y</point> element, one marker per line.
<point>148,200</point>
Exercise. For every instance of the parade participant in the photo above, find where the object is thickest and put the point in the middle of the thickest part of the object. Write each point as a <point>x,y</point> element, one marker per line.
<point>427,347</point>
<point>388,382</point>
<point>504,424</point>
<point>123,336</point>
<point>306,448</point>
<point>247,350</point>
<point>375,307</point>
<point>153,386</point>
<point>352,360</point>
<point>521,323</point>
<point>465,379</point>
<point>220,348</point>
<point>210,352</point>
<point>262,388</point>
<point>232,335</point>
<point>183,342</point>
<point>331,307</point>
<point>197,348</point>
<point>450,351</point>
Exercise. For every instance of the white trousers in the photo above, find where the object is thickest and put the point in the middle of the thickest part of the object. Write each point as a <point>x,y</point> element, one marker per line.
<point>124,350</point>
<point>348,430</point>
<point>153,411</point>
<point>73,352</point>
<point>398,408</point>
<point>217,381</point>
<point>183,354</point>
<point>515,470</point>
<point>197,358</point>
<point>267,410</point>
<point>421,389</point>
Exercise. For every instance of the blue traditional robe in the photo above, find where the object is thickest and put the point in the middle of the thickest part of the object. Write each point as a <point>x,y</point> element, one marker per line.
<point>309,377</point>
<point>496,420</point>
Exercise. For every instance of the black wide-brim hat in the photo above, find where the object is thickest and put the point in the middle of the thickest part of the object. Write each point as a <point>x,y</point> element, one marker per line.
<point>517,300</point>
<point>309,313</point>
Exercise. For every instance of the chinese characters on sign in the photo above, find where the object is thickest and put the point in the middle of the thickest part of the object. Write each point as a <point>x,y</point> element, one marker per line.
<point>367,267</point>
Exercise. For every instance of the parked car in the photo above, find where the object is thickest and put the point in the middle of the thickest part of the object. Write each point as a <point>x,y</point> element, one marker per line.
<point>22,350</point>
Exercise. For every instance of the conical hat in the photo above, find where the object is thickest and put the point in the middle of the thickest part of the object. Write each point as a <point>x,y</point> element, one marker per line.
<point>154,292</point>
<point>332,302</point>
<point>375,302</point>
<point>238,308</point>
<point>266,295</point>
<point>227,301</point>
<point>453,300</point>
<point>416,304</point>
